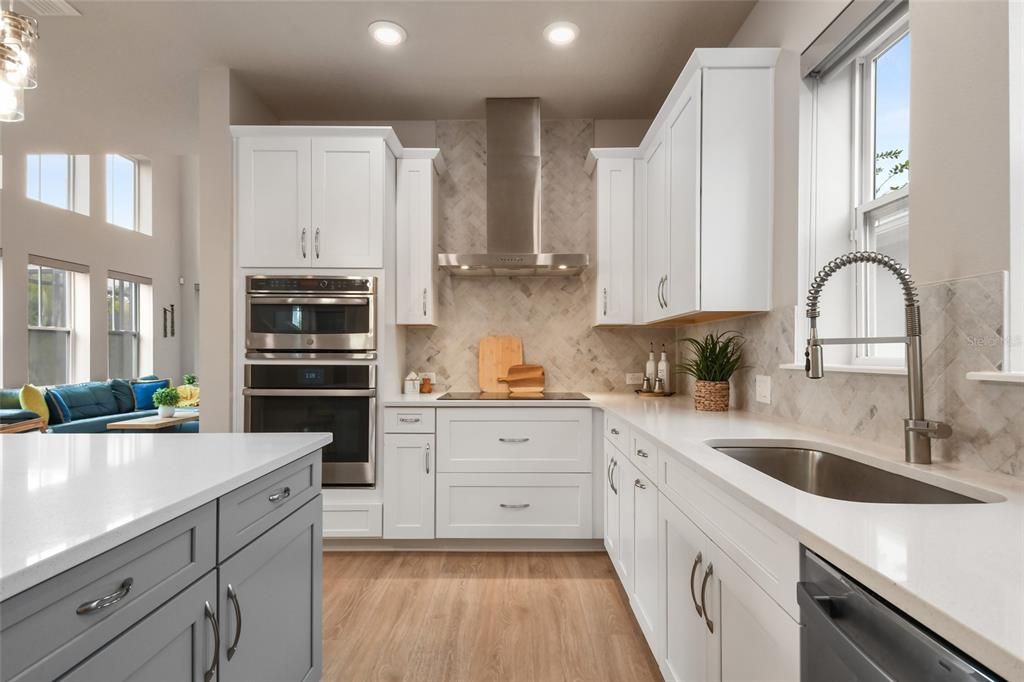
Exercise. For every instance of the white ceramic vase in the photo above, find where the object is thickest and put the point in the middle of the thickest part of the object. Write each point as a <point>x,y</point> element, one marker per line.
<point>165,411</point>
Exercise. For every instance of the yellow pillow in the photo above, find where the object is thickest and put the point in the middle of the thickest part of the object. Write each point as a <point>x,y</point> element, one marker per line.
<point>188,396</point>
<point>31,398</point>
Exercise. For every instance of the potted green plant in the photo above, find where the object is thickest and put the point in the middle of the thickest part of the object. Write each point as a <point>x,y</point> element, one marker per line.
<point>165,399</point>
<point>190,379</point>
<point>712,362</point>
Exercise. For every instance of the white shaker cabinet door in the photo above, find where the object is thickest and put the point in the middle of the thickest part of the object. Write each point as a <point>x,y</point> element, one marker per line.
<point>654,275</point>
<point>348,187</point>
<point>416,270</point>
<point>644,595</point>
<point>408,478</point>
<point>611,502</point>
<point>682,293</point>
<point>615,218</point>
<point>273,188</point>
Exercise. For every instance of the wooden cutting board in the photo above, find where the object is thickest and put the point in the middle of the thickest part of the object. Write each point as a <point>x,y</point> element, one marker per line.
<point>525,379</point>
<point>497,354</point>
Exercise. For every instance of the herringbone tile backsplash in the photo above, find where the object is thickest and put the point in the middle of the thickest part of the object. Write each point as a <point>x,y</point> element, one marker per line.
<point>553,315</point>
<point>962,329</point>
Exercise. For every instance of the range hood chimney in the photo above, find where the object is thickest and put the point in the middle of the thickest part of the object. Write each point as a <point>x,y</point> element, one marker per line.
<point>513,200</point>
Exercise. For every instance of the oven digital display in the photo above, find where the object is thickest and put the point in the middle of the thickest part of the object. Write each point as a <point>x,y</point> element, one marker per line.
<point>311,376</point>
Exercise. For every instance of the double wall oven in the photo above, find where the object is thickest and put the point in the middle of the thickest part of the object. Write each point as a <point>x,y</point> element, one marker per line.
<point>313,342</point>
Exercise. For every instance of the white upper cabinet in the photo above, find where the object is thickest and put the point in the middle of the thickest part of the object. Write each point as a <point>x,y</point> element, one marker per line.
<point>273,201</point>
<point>417,271</point>
<point>614,180</point>
<point>703,193</point>
<point>312,197</point>
<point>348,202</point>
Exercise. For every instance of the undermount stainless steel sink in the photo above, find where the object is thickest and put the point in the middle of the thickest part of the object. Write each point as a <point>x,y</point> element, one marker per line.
<point>827,475</point>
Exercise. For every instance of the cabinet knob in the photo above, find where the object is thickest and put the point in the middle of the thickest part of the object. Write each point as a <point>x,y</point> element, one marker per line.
<point>642,453</point>
<point>640,484</point>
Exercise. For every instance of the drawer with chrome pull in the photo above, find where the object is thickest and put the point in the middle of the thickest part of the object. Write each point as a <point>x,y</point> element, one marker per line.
<point>514,439</point>
<point>514,506</point>
<point>248,512</point>
<point>409,420</point>
<point>644,454</point>
<point>54,625</point>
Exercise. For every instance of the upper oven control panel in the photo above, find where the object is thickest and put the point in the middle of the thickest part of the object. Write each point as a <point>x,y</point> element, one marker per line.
<point>255,284</point>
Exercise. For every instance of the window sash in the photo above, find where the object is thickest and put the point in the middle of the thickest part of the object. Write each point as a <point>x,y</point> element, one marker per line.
<point>892,211</point>
<point>41,371</point>
<point>36,190</point>
<point>113,195</point>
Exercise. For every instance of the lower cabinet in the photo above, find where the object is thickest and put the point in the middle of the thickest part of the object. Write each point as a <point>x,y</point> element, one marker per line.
<point>611,501</point>
<point>644,595</point>
<point>409,469</point>
<point>270,604</point>
<point>625,564</point>
<point>175,642</point>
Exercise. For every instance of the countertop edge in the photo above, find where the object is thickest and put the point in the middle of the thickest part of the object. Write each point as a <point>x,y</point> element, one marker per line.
<point>30,576</point>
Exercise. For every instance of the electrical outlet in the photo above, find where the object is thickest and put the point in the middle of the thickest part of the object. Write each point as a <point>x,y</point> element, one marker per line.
<point>429,375</point>
<point>634,378</point>
<point>763,389</point>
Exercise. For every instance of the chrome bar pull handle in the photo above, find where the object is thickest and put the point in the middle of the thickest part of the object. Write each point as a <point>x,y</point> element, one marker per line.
<point>703,603</point>
<point>302,242</point>
<point>605,291</point>
<point>316,243</point>
<point>409,420</point>
<point>642,453</point>
<point>693,572</point>
<point>278,495</point>
<point>212,617</point>
<point>424,301</point>
<point>233,596</point>
<point>109,600</point>
<point>514,440</point>
<point>525,505</point>
<point>426,458</point>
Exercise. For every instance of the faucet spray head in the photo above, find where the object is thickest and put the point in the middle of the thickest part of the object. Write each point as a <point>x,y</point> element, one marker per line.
<point>814,356</point>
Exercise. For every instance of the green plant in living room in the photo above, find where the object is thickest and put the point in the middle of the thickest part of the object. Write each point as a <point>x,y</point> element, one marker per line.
<point>712,362</point>
<point>165,400</point>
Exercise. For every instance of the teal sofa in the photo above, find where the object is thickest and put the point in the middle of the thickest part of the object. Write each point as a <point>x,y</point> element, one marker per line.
<point>90,406</point>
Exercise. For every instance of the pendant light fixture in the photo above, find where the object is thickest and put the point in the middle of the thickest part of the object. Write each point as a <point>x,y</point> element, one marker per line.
<point>18,35</point>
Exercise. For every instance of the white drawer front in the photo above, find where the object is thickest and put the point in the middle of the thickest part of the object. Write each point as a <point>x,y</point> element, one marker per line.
<point>762,550</point>
<point>408,420</point>
<point>511,440</point>
<point>644,454</point>
<point>353,521</point>
<point>514,506</point>
<point>617,431</point>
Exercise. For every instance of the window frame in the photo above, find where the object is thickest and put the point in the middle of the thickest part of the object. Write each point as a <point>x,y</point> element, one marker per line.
<point>69,198</point>
<point>136,185</point>
<point>68,329</point>
<point>115,320</point>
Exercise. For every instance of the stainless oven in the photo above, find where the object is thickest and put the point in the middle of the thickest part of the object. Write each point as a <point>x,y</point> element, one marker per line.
<point>339,399</point>
<point>307,314</point>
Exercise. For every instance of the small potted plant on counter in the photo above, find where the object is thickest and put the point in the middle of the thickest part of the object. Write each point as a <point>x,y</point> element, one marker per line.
<point>165,399</point>
<point>713,361</point>
<point>190,380</point>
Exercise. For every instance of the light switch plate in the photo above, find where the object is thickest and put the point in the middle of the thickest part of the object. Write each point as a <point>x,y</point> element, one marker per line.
<point>634,378</point>
<point>763,389</point>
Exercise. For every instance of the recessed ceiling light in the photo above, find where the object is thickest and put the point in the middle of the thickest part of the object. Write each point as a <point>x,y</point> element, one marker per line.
<point>561,32</point>
<point>387,33</point>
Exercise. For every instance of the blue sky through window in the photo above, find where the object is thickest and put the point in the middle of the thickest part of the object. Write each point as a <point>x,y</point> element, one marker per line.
<point>892,114</point>
<point>121,191</point>
<point>48,179</point>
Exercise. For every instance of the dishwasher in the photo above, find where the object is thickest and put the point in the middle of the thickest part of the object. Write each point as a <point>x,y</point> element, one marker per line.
<point>850,635</point>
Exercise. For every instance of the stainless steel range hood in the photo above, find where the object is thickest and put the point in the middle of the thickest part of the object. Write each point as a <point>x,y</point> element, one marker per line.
<point>513,200</point>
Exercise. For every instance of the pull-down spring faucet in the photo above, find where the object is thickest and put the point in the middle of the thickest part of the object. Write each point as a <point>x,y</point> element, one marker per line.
<point>918,431</point>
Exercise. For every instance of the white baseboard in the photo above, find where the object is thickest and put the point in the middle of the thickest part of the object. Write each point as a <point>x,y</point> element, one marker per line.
<point>490,545</point>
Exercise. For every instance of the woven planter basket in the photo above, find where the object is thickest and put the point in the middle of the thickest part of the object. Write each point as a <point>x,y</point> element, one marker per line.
<point>711,396</point>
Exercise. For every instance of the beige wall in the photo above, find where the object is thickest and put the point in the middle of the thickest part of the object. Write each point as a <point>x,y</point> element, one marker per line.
<point>32,228</point>
<point>959,133</point>
<point>223,100</point>
<point>959,139</point>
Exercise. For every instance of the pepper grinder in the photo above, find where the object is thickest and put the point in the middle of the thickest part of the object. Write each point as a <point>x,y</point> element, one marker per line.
<point>646,386</point>
<point>659,385</point>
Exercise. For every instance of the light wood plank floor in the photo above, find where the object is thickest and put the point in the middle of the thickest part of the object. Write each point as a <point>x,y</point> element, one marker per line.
<point>471,617</point>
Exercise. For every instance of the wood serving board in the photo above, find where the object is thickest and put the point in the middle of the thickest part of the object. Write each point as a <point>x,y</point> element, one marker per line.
<point>497,354</point>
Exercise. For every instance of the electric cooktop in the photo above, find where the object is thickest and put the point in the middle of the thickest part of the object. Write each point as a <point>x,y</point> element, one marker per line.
<point>511,397</point>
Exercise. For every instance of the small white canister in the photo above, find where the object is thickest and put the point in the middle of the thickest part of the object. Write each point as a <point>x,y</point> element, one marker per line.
<point>412,384</point>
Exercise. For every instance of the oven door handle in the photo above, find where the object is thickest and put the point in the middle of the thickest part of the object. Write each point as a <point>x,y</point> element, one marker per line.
<point>311,392</point>
<point>340,299</point>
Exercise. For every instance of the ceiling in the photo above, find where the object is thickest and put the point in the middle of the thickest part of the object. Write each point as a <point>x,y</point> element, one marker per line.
<point>315,60</point>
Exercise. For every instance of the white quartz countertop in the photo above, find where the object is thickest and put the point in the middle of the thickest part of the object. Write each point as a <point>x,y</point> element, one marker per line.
<point>431,400</point>
<point>66,498</point>
<point>958,569</point>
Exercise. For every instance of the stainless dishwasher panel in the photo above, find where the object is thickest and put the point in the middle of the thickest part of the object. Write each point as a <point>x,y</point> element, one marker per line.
<point>849,635</point>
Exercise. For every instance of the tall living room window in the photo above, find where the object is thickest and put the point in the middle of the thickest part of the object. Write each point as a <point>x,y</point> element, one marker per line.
<point>122,328</point>
<point>858,76</point>
<point>50,319</point>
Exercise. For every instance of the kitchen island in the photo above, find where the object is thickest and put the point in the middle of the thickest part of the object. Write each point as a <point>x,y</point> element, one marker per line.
<point>160,555</point>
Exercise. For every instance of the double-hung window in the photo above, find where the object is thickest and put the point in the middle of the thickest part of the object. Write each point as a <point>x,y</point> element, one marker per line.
<point>50,319</point>
<point>122,328</point>
<point>858,77</point>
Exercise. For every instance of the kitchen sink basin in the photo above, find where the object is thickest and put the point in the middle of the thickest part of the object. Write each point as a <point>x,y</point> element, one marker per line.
<point>827,475</point>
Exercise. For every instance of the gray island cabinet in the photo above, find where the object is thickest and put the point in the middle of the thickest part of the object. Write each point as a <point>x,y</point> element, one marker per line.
<point>229,590</point>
